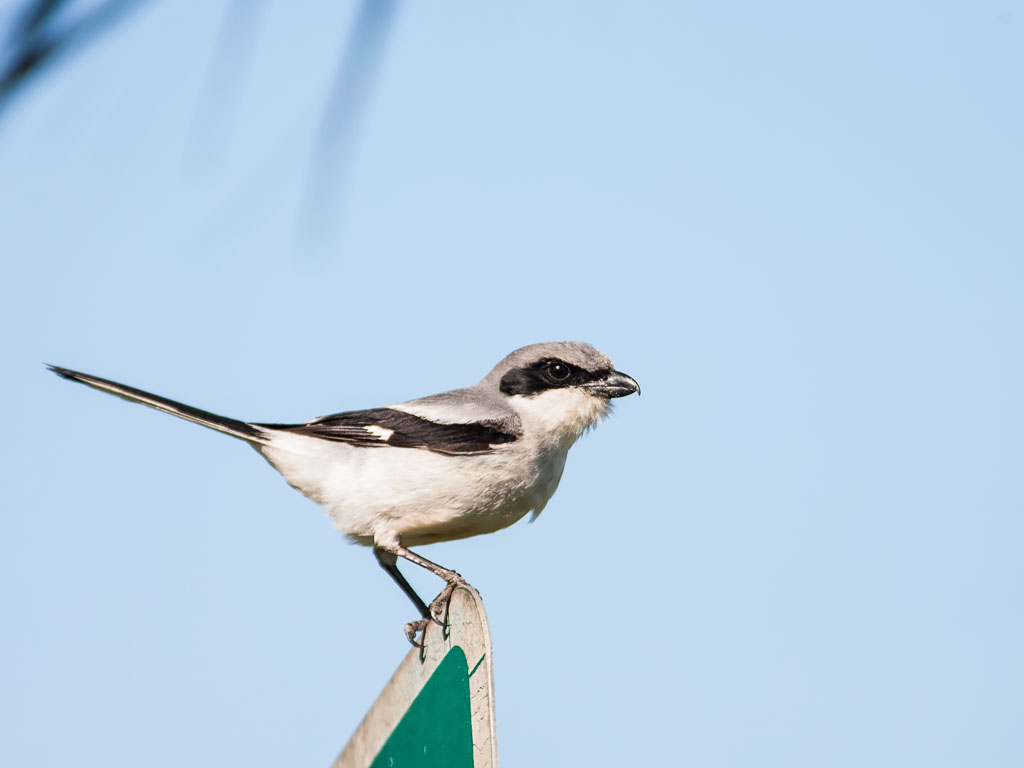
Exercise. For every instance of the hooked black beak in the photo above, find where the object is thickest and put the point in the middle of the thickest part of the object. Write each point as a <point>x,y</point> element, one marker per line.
<point>615,384</point>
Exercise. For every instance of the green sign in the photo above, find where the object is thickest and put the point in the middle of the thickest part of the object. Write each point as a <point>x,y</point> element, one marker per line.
<point>436,731</point>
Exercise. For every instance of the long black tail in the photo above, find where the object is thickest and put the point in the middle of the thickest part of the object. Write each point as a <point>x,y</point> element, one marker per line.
<point>223,424</point>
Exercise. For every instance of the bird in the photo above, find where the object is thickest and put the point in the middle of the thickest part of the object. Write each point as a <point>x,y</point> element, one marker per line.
<point>439,468</point>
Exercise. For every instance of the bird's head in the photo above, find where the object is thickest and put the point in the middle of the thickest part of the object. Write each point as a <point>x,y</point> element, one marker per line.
<point>565,387</point>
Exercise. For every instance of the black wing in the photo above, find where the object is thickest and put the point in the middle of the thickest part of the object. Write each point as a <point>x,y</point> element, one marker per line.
<point>388,426</point>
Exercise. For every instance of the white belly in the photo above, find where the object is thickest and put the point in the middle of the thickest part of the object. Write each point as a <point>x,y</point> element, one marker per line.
<point>421,495</point>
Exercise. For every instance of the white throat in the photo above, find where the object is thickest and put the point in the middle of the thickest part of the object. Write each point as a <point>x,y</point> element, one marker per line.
<point>564,414</point>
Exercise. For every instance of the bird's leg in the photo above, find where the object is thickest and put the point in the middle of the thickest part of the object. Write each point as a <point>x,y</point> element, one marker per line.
<point>438,608</point>
<point>389,563</point>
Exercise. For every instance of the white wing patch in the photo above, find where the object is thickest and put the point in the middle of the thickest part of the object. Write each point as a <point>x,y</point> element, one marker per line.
<point>382,433</point>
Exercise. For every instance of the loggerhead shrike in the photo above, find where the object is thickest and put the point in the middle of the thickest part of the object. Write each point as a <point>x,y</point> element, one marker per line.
<point>443,467</point>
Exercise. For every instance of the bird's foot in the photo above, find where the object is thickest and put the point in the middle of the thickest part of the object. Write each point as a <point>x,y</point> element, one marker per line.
<point>438,612</point>
<point>439,606</point>
<point>413,628</point>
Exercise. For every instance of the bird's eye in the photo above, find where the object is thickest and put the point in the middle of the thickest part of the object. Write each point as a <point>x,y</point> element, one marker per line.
<point>558,371</point>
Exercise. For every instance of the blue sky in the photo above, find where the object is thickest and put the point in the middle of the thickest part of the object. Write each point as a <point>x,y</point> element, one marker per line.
<point>799,227</point>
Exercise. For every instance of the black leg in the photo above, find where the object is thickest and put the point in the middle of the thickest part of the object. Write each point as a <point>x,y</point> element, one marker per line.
<point>389,563</point>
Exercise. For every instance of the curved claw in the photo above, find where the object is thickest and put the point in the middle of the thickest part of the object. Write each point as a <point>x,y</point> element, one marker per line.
<point>415,627</point>
<point>439,606</point>
<point>438,611</point>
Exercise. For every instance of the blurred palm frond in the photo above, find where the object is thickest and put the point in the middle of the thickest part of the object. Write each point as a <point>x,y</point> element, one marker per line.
<point>339,124</point>
<point>43,31</point>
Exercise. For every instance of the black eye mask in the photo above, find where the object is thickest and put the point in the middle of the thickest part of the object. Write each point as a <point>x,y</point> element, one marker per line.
<point>546,374</point>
